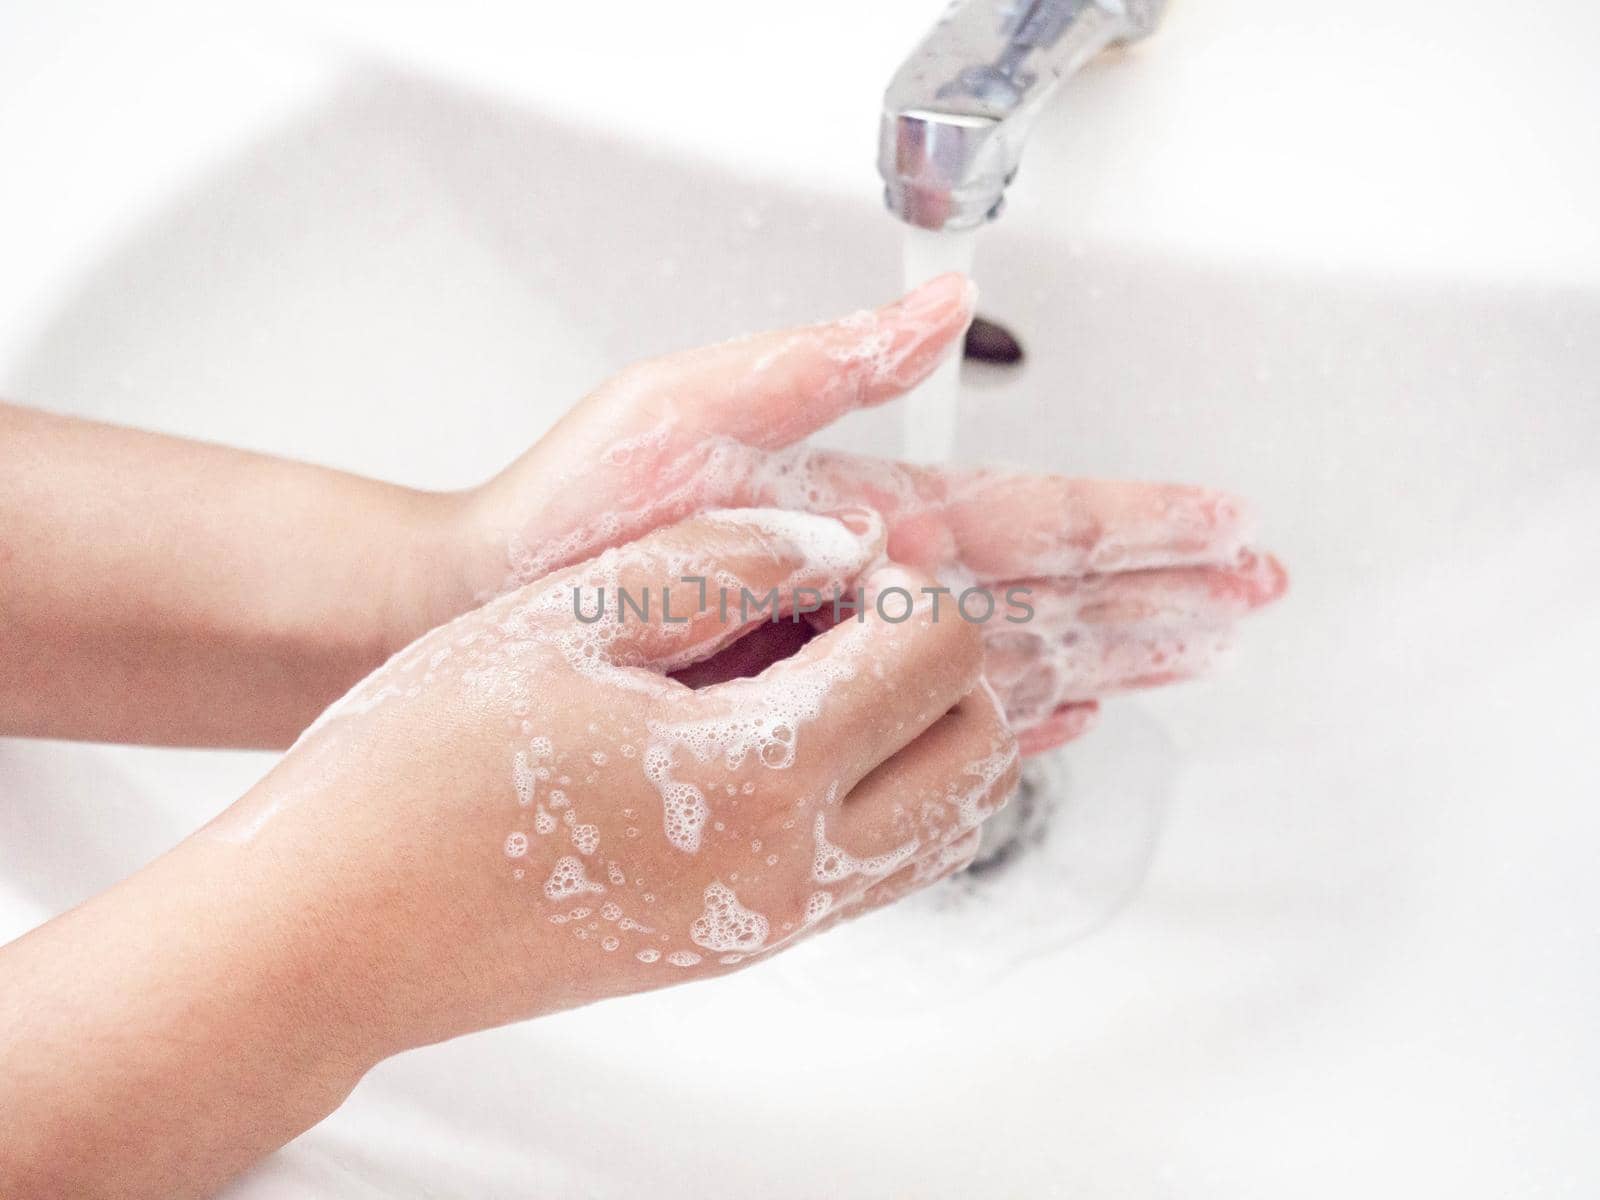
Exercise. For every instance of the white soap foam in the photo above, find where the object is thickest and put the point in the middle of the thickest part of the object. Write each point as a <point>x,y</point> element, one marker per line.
<point>725,924</point>
<point>567,878</point>
<point>817,906</point>
<point>826,545</point>
<point>834,864</point>
<point>522,778</point>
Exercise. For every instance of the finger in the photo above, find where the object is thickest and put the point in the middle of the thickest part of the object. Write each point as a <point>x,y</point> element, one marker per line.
<point>1064,723</point>
<point>682,593</point>
<point>1036,675</point>
<point>1136,663</point>
<point>772,389</point>
<point>1009,525</point>
<point>1110,633</point>
<point>947,782</point>
<point>1169,598</point>
<point>908,497</point>
<point>867,687</point>
<point>1006,525</point>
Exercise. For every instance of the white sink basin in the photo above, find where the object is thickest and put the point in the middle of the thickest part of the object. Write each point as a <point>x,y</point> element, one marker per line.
<point>1364,961</point>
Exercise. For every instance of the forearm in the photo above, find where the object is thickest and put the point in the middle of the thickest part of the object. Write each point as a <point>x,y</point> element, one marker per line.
<point>165,1035</point>
<point>162,1037</point>
<point>164,591</point>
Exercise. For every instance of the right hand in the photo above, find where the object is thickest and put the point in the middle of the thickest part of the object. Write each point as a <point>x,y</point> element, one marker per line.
<point>522,812</point>
<point>1135,584</point>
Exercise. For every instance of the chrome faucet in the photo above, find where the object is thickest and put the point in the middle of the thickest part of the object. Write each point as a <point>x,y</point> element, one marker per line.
<point>958,110</point>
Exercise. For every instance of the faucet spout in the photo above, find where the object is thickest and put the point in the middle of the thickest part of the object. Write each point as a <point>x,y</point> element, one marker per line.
<point>957,113</point>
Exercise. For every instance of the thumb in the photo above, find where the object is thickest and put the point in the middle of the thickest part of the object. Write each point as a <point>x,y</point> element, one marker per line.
<point>680,594</point>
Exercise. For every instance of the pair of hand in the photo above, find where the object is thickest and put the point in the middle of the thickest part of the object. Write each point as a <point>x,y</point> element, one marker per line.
<point>525,810</point>
<point>594,810</point>
<point>1133,584</point>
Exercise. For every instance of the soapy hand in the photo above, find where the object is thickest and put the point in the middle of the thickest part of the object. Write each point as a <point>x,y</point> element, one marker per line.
<point>523,811</point>
<point>1132,584</point>
<point>528,808</point>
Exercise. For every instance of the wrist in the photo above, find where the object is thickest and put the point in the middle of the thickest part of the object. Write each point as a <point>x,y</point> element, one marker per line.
<point>396,934</point>
<point>268,962</point>
<point>436,566</point>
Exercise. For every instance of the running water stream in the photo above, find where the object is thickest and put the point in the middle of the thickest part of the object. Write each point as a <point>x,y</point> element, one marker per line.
<point>1071,848</point>
<point>932,411</point>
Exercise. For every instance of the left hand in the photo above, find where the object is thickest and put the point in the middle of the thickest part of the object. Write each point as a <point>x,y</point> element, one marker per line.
<point>517,814</point>
<point>1133,584</point>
